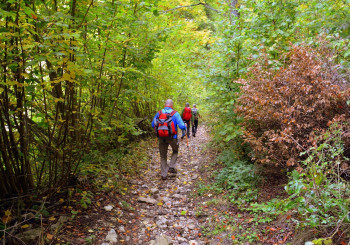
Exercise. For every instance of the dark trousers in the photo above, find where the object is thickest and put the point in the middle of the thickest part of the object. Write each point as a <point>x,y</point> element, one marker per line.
<point>188,126</point>
<point>194,128</point>
<point>163,150</point>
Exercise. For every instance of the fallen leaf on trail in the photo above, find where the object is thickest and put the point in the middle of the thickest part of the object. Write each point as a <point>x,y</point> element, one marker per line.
<point>8,212</point>
<point>6,219</point>
<point>261,238</point>
<point>286,237</point>
<point>160,204</point>
<point>233,237</point>
<point>61,200</point>
<point>52,218</point>
<point>288,217</point>
<point>49,236</point>
<point>25,226</point>
<point>273,229</point>
<point>250,220</point>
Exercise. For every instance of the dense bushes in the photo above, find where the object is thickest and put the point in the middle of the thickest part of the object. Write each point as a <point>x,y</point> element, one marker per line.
<point>283,109</point>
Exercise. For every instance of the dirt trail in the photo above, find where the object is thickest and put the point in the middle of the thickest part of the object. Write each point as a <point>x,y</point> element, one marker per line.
<point>172,215</point>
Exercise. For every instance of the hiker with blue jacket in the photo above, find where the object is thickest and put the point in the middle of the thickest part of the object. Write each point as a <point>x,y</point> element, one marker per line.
<point>165,124</point>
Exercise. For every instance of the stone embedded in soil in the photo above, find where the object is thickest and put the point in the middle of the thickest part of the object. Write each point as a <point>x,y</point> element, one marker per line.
<point>121,229</point>
<point>178,196</point>
<point>108,208</point>
<point>147,200</point>
<point>60,222</point>
<point>191,226</point>
<point>28,216</point>
<point>30,235</point>
<point>161,240</point>
<point>154,190</point>
<point>181,239</point>
<point>194,177</point>
<point>112,236</point>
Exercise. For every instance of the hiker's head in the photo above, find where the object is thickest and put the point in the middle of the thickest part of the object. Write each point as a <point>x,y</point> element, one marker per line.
<point>187,104</point>
<point>194,105</point>
<point>169,103</point>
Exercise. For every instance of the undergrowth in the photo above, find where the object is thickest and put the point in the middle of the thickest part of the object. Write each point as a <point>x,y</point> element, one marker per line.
<point>238,177</point>
<point>110,169</point>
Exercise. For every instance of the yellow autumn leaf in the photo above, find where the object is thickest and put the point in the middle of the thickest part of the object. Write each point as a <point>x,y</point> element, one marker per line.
<point>61,200</point>
<point>52,218</point>
<point>8,212</point>
<point>66,76</point>
<point>160,204</point>
<point>25,226</point>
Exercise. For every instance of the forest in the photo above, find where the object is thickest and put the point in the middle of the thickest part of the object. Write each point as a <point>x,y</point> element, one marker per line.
<point>81,81</point>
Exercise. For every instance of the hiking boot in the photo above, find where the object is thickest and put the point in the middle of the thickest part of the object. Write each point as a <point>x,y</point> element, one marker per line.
<point>193,135</point>
<point>172,170</point>
<point>163,178</point>
<point>182,137</point>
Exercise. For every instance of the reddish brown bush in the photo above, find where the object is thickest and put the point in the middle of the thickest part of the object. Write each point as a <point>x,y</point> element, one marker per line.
<point>283,109</point>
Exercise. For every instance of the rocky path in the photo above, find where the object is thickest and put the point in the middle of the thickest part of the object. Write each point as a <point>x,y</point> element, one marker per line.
<point>163,212</point>
<point>166,207</point>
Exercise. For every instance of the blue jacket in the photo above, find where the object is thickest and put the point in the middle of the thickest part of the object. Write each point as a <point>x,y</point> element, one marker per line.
<point>176,119</point>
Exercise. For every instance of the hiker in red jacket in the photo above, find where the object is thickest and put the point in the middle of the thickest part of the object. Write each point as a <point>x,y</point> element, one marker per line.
<point>187,117</point>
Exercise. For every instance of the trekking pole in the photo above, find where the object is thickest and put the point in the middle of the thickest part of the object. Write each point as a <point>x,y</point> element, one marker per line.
<point>155,143</point>
<point>188,149</point>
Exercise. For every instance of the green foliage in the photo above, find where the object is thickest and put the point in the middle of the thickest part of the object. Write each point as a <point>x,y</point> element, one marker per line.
<point>85,200</point>
<point>319,193</point>
<point>88,76</point>
<point>2,227</point>
<point>318,197</point>
<point>239,177</point>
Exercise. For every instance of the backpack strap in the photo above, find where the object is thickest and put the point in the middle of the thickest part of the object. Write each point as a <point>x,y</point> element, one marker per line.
<point>172,113</point>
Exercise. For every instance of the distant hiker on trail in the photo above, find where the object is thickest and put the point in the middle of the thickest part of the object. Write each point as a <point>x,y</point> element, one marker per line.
<point>165,123</point>
<point>196,115</point>
<point>187,117</point>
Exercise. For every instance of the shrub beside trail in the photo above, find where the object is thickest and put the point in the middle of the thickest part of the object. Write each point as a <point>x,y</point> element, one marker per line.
<point>284,109</point>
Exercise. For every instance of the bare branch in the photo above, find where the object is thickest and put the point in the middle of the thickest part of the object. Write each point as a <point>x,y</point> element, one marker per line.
<point>192,5</point>
<point>211,8</point>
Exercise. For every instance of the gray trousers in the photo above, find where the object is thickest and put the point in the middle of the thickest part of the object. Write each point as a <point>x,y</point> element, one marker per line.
<point>163,150</point>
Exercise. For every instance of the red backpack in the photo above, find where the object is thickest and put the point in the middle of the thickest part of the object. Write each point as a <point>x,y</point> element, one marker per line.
<point>164,125</point>
<point>187,114</point>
